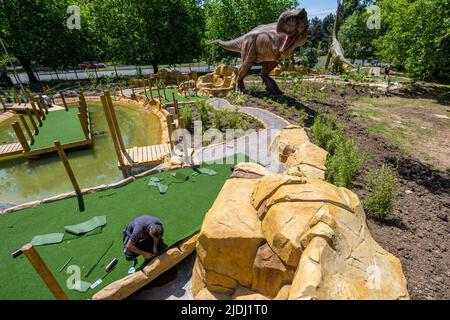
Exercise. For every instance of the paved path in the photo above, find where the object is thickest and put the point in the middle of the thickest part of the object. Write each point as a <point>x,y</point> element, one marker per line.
<point>256,145</point>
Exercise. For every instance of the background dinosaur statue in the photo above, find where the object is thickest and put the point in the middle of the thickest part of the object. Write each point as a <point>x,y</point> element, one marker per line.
<point>269,44</point>
<point>335,57</point>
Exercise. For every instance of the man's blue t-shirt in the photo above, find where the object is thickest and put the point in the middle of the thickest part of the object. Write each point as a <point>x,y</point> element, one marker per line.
<point>137,229</point>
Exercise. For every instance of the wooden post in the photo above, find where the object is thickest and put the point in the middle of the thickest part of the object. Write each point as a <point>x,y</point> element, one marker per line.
<point>41,110</point>
<point>63,100</point>
<point>145,88</point>
<point>19,133</point>
<point>2,102</point>
<point>44,103</point>
<point>30,116</point>
<point>121,91</point>
<point>41,268</point>
<point>27,128</point>
<point>37,113</point>
<point>169,120</point>
<point>133,94</point>
<point>114,120</point>
<point>63,157</point>
<point>175,104</point>
<point>164,89</point>
<point>113,133</point>
<point>159,92</point>
<point>16,95</point>
<point>151,88</point>
<point>184,88</point>
<point>83,106</point>
<point>83,122</point>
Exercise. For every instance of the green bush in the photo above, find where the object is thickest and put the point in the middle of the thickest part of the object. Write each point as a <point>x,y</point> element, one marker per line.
<point>218,115</point>
<point>186,116</point>
<point>203,112</point>
<point>344,162</point>
<point>384,188</point>
<point>344,159</point>
<point>324,130</point>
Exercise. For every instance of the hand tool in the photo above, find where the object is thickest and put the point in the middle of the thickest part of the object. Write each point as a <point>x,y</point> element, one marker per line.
<point>108,269</point>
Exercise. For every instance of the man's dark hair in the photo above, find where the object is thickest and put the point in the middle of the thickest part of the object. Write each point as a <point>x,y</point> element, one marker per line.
<point>156,230</point>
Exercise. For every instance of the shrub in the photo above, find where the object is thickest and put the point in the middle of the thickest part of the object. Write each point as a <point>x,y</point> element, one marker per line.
<point>344,159</point>
<point>203,112</point>
<point>324,130</point>
<point>384,188</point>
<point>217,118</point>
<point>344,162</point>
<point>186,116</point>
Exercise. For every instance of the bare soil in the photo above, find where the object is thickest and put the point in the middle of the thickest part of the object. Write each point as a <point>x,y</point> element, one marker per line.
<point>418,230</point>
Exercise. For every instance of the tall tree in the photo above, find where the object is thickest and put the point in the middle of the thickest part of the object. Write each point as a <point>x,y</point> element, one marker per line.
<point>356,38</point>
<point>35,31</point>
<point>417,36</point>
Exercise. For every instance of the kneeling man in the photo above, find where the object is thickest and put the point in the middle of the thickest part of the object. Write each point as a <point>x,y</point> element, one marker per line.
<point>141,237</point>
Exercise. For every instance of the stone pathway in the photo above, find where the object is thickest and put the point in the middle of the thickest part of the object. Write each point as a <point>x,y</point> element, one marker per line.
<point>254,144</point>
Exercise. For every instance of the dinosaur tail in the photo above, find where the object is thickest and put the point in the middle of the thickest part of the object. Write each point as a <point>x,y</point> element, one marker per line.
<point>232,45</point>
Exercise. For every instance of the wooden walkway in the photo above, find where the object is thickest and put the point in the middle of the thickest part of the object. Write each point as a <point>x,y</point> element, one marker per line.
<point>10,149</point>
<point>145,156</point>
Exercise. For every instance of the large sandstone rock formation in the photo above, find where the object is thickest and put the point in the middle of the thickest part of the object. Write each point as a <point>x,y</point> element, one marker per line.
<point>218,83</point>
<point>291,236</point>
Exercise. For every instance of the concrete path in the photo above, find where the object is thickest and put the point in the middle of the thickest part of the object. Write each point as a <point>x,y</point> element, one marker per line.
<point>254,144</point>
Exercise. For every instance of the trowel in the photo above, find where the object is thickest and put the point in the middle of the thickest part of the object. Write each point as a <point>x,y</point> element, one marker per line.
<point>133,267</point>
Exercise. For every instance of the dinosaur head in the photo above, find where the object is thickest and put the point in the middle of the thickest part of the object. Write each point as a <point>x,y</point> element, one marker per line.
<point>292,24</point>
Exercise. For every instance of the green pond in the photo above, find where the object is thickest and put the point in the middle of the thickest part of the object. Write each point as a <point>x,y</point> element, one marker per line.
<point>23,180</point>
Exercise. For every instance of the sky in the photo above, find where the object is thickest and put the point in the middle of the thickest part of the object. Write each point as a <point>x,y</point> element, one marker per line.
<point>318,8</point>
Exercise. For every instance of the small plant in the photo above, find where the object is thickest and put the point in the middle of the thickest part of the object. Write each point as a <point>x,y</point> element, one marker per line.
<point>233,118</point>
<point>384,188</point>
<point>217,119</point>
<point>324,130</point>
<point>302,119</point>
<point>203,112</point>
<point>186,116</point>
<point>344,163</point>
<point>236,98</point>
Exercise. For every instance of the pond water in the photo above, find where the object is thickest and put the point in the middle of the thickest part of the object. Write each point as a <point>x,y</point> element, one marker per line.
<point>23,180</point>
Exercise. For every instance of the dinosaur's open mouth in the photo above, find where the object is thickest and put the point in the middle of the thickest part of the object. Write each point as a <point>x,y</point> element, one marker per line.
<point>289,41</point>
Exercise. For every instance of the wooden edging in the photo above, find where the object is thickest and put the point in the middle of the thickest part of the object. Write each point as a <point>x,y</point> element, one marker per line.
<point>123,288</point>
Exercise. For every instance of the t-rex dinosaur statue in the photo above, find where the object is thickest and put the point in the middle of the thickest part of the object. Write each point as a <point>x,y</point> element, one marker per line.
<point>335,56</point>
<point>269,44</point>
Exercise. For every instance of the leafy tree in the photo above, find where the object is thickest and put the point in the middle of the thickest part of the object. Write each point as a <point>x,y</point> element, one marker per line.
<point>35,31</point>
<point>355,38</point>
<point>417,36</point>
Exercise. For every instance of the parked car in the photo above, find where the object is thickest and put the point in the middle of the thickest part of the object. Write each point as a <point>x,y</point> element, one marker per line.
<point>91,65</point>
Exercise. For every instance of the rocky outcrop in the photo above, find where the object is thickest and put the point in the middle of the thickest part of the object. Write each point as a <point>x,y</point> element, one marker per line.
<point>218,83</point>
<point>291,237</point>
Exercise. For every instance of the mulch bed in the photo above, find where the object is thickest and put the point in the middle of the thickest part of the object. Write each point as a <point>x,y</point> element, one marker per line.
<point>418,231</point>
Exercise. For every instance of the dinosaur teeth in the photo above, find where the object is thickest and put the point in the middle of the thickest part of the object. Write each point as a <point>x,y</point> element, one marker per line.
<point>288,41</point>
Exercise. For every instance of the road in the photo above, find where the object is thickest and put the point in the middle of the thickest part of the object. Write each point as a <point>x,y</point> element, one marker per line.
<point>81,74</point>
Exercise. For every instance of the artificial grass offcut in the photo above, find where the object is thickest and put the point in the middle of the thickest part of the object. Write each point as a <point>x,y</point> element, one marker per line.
<point>59,125</point>
<point>181,211</point>
<point>169,96</point>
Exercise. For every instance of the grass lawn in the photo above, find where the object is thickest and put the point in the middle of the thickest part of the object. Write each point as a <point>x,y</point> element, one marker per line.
<point>181,210</point>
<point>59,125</point>
<point>169,97</point>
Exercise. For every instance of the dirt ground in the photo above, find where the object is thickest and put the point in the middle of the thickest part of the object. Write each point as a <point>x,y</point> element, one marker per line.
<point>418,231</point>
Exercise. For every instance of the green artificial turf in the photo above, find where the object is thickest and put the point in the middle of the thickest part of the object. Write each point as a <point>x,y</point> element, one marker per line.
<point>169,97</point>
<point>59,125</point>
<point>181,210</point>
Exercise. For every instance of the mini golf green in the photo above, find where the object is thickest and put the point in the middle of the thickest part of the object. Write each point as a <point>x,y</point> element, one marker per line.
<point>181,210</point>
<point>169,96</point>
<point>59,125</point>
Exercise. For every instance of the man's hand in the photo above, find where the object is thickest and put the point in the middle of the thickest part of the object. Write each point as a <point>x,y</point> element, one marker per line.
<point>147,255</point>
